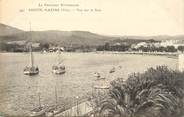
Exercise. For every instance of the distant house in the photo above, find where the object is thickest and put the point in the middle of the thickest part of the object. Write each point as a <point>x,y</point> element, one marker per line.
<point>62,48</point>
<point>141,44</point>
<point>117,44</point>
<point>35,45</point>
<point>54,49</point>
<point>175,43</point>
<point>166,43</point>
<point>157,44</point>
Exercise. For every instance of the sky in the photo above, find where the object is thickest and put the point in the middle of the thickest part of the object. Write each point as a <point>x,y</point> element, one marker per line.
<point>114,17</point>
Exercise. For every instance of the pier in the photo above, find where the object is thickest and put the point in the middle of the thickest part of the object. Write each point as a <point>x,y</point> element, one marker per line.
<point>77,110</point>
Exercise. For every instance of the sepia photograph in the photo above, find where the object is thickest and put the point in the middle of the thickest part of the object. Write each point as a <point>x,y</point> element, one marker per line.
<point>92,58</point>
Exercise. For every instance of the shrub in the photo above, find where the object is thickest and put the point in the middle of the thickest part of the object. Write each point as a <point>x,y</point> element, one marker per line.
<point>157,92</point>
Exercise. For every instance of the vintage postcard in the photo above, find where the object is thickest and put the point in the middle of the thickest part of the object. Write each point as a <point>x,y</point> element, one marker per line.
<point>114,58</point>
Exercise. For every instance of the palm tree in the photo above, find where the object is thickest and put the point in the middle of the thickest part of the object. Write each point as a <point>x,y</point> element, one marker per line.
<point>156,93</point>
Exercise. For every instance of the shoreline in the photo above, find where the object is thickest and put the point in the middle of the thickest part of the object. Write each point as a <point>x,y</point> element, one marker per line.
<point>168,54</point>
<point>142,53</point>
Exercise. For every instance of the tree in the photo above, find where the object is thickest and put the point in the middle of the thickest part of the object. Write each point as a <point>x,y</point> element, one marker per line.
<point>161,49</point>
<point>44,46</point>
<point>3,46</point>
<point>170,49</point>
<point>181,48</point>
<point>144,49</point>
<point>107,46</point>
<point>100,48</point>
<point>155,93</point>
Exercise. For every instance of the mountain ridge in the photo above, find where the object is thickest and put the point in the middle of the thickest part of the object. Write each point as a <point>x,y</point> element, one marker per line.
<point>76,37</point>
<point>6,30</point>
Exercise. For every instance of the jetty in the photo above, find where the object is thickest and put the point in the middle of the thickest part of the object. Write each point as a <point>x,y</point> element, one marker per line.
<point>78,110</point>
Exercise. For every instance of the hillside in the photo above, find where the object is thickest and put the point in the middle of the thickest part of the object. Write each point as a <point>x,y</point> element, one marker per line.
<point>8,30</point>
<point>64,38</point>
<point>67,38</point>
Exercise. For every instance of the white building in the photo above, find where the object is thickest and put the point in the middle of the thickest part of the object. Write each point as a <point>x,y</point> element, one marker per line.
<point>144,44</point>
<point>174,43</point>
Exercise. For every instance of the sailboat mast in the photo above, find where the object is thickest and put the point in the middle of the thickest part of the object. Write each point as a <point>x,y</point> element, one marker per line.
<point>32,60</point>
<point>39,99</point>
<point>56,96</point>
<point>30,49</point>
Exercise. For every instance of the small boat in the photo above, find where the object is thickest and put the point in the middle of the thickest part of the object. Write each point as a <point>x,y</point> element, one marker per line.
<point>31,70</point>
<point>96,74</point>
<point>120,67</point>
<point>39,111</point>
<point>112,70</point>
<point>55,110</point>
<point>59,68</point>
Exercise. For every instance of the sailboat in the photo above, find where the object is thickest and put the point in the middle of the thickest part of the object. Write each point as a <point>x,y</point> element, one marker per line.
<point>31,70</point>
<point>40,111</point>
<point>59,68</point>
<point>56,109</point>
<point>112,70</point>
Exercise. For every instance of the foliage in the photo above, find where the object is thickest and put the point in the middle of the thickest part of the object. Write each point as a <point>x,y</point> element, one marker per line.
<point>181,48</point>
<point>44,46</point>
<point>149,48</point>
<point>11,47</point>
<point>170,49</point>
<point>108,47</point>
<point>157,92</point>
